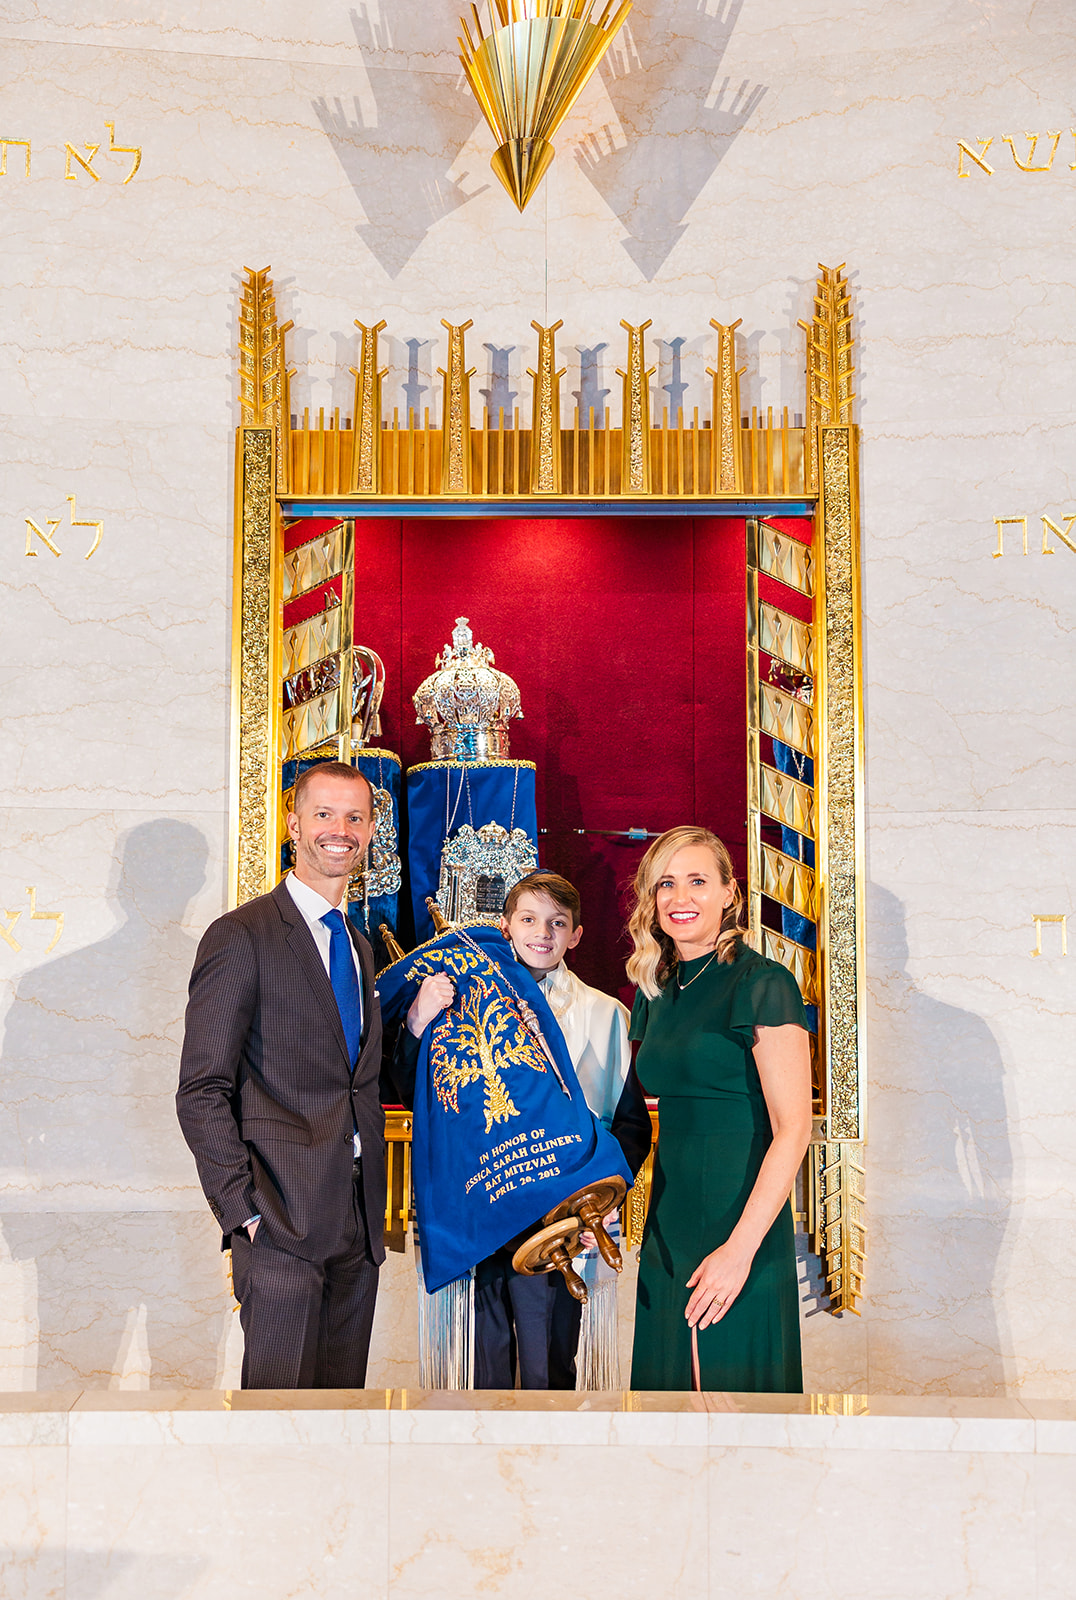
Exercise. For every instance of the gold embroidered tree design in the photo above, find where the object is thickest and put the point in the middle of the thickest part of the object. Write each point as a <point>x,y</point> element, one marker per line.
<point>487,1036</point>
<point>483,1033</point>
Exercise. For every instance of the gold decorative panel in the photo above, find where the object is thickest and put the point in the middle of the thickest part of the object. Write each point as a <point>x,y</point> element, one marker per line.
<point>841,781</point>
<point>255,666</point>
<point>545,433</point>
<point>501,456</point>
<point>263,367</point>
<point>726,410</point>
<point>788,560</point>
<point>311,641</point>
<point>836,1228</point>
<point>456,413</point>
<point>784,636</point>
<point>635,420</point>
<point>830,355</point>
<point>785,717</point>
<point>683,453</point>
<point>313,564</point>
<point>788,801</point>
<point>810,702</point>
<point>366,453</point>
<point>310,724</point>
<point>800,961</point>
<point>788,882</point>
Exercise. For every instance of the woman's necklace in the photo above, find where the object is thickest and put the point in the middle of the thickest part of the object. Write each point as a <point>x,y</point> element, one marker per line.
<point>691,980</point>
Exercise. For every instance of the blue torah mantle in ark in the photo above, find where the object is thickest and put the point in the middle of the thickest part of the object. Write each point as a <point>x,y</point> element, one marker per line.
<point>501,1131</point>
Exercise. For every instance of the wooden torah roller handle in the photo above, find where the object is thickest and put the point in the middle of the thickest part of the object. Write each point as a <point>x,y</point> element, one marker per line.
<point>592,1205</point>
<point>551,1250</point>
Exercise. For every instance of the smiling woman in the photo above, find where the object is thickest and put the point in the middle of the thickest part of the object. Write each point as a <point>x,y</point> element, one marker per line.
<point>724,1045</point>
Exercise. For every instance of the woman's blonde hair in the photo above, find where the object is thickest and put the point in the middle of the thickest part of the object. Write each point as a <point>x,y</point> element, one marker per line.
<point>654,958</point>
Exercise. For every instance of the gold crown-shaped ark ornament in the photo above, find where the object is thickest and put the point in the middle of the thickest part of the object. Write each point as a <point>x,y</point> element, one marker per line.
<point>528,70</point>
<point>467,704</point>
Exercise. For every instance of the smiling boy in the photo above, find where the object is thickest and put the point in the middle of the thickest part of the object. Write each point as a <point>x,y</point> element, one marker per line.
<point>535,1320</point>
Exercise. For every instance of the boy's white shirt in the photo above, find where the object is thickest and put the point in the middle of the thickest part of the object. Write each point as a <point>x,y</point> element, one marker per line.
<point>595,1029</point>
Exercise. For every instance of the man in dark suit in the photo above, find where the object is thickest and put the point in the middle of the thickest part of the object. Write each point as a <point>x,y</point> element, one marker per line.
<point>278,1099</point>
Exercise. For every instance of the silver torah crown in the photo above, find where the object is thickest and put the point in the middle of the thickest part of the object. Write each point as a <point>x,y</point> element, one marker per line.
<point>467,704</point>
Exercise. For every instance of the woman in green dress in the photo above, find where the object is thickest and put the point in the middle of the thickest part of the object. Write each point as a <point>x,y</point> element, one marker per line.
<point>724,1046</point>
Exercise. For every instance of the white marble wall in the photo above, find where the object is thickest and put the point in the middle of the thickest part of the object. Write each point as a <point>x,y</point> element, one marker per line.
<point>378,1494</point>
<point>332,141</point>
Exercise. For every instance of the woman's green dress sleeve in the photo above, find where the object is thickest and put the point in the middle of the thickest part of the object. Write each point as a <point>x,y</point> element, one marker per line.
<point>639,1012</point>
<point>767,996</point>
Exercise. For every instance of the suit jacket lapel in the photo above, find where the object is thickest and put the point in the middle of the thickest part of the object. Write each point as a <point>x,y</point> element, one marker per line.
<point>301,944</point>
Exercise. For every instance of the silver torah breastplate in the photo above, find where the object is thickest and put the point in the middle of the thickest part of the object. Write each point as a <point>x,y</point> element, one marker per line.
<point>383,873</point>
<point>478,867</point>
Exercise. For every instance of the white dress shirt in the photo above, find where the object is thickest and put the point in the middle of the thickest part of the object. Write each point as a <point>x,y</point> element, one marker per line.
<point>313,907</point>
<point>595,1029</point>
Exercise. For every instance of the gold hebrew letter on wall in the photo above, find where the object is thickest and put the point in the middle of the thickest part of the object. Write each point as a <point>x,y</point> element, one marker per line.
<point>1001,523</point>
<point>1029,164</point>
<point>100,527</point>
<point>3,154</point>
<point>1038,921</point>
<point>115,149</point>
<point>1050,526</point>
<point>73,155</point>
<point>32,528</point>
<point>966,150</point>
<point>46,916</point>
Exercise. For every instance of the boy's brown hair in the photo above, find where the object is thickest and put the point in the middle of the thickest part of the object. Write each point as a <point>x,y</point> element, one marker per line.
<point>560,891</point>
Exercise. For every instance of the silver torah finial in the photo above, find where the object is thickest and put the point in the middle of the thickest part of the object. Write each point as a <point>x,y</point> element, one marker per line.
<point>367,692</point>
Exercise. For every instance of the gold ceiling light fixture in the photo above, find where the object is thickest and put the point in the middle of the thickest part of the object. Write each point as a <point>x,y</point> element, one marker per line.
<point>527,69</point>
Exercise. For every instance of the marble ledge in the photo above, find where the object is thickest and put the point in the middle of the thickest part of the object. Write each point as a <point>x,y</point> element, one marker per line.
<point>103,1419</point>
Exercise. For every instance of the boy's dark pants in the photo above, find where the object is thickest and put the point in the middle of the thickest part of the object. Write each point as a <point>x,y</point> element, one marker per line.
<point>532,1320</point>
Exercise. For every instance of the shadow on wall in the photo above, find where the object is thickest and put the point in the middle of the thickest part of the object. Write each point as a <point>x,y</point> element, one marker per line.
<point>939,1182</point>
<point>129,1280</point>
<point>398,158</point>
<point>97,1574</point>
<point>677,119</point>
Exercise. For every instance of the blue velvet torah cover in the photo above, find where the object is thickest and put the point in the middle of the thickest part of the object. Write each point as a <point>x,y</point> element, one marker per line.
<point>500,1134</point>
<point>441,797</point>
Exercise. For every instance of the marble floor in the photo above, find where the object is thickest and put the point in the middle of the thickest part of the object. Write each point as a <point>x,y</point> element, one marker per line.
<point>396,1492</point>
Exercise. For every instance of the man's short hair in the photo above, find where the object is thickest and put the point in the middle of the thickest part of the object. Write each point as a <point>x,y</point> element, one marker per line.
<point>328,769</point>
<point>560,891</point>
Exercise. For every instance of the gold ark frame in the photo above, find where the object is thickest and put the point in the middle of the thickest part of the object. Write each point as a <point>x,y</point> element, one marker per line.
<point>728,464</point>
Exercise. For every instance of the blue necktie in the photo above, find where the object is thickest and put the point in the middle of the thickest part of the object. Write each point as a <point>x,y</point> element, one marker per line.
<point>345,981</point>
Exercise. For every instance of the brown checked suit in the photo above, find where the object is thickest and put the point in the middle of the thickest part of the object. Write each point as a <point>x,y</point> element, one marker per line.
<point>269,1106</point>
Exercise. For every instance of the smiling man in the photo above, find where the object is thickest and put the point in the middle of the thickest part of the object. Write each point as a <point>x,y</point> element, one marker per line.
<point>278,1100</point>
